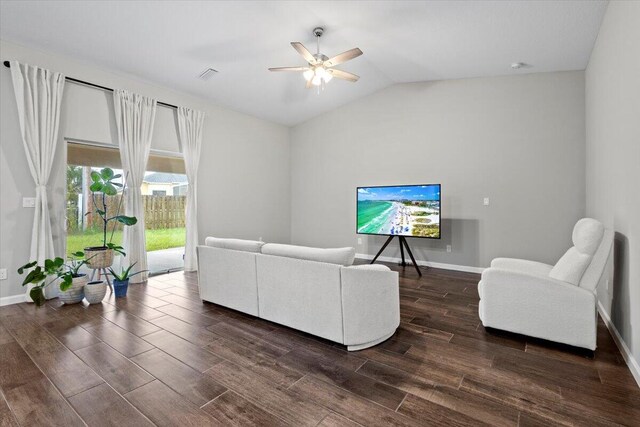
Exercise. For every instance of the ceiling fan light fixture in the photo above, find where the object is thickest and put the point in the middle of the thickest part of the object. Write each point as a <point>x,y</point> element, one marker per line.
<point>308,75</point>
<point>317,75</point>
<point>323,74</point>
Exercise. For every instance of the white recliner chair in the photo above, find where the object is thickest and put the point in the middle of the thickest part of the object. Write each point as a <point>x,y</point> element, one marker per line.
<point>556,303</point>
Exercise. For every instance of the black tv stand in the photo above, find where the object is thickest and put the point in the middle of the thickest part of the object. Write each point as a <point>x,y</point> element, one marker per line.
<point>403,244</point>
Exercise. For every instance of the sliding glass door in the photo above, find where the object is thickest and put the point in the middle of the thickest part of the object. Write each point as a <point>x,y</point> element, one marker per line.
<point>164,198</point>
<point>164,192</point>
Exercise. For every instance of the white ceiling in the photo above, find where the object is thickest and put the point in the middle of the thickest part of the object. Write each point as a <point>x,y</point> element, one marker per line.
<point>172,42</point>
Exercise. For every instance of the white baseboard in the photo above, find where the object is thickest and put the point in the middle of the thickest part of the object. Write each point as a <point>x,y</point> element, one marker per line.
<point>14,299</point>
<point>632,363</point>
<point>454,267</point>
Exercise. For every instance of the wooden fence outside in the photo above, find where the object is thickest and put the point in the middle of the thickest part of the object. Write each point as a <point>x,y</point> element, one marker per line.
<point>164,211</point>
<point>159,212</point>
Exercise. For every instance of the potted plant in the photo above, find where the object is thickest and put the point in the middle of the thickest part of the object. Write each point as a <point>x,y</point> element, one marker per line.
<point>103,185</point>
<point>71,281</point>
<point>95,291</point>
<point>121,280</point>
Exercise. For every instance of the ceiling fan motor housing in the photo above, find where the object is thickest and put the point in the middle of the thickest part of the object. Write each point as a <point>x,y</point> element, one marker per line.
<point>320,57</point>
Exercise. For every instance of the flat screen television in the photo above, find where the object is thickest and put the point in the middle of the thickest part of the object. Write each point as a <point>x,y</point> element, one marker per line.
<point>401,210</point>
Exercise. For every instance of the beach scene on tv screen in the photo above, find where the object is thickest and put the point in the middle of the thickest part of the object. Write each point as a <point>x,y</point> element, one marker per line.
<point>410,211</point>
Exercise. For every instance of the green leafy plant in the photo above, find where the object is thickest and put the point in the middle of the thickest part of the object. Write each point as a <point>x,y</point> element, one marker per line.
<point>125,274</point>
<point>38,275</point>
<point>75,262</point>
<point>104,184</point>
<point>116,248</point>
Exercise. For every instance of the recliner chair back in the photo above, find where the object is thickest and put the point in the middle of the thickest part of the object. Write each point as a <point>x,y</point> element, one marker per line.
<point>587,236</point>
<point>594,271</point>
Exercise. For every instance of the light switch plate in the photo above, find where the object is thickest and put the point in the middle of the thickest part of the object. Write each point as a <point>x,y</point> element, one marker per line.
<point>486,201</point>
<point>28,202</point>
<point>359,240</point>
<point>3,274</point>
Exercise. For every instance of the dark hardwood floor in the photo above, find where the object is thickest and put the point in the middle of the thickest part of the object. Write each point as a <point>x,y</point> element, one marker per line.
<point>160,356</point>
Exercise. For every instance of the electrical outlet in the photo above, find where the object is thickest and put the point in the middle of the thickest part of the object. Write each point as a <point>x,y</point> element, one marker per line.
<point>359,240</point>
<point>260,239</point>
<point>3,274</point>
<point>486,201</point>
<point>448,248</point>
<point>28,202</point>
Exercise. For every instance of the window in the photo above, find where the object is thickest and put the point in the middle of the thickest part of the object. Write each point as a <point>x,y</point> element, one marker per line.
<point>164,198</point>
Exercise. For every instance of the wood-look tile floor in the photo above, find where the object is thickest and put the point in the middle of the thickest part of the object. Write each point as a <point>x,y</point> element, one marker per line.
<point>160,356</point>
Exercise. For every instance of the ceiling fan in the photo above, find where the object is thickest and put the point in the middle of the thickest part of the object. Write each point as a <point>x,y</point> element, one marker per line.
<point>320,67</point>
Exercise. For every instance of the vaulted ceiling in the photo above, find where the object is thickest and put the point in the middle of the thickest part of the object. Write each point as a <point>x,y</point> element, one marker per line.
<point>172,42</point>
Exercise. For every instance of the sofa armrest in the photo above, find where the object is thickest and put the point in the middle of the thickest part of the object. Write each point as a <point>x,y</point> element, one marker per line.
<point>522,265</point>
<point>539,306</point>
<point>228,277</point>
<point>370,304</point>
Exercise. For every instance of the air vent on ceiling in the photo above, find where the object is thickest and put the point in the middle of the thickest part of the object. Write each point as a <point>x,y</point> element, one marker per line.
<point>207,73</point>
<point>519,65</point>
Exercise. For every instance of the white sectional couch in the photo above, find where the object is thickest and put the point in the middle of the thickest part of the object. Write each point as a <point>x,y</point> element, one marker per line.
<point>314,290</point>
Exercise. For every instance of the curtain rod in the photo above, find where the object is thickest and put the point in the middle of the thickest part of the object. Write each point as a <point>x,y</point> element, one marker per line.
<point>82,82</point>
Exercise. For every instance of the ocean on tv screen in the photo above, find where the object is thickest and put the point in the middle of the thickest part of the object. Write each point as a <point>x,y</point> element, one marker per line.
<point>410,211</point>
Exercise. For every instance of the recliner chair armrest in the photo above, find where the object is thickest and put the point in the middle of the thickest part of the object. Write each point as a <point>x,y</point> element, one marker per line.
<point>522,265</point>
<point>514,280</point>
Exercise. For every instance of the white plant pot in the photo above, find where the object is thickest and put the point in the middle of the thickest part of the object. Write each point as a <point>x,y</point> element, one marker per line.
<point>75,293</point>
<point>94,292</point>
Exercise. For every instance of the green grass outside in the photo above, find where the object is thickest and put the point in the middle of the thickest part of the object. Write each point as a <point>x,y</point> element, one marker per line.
<point>156,239</point>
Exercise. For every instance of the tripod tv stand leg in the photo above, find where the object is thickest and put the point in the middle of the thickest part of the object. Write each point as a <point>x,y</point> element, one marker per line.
<point>403,244</point>
<point>413,260</point>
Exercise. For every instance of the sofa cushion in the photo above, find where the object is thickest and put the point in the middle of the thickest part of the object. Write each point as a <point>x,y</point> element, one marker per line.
<point>340,256</point>
<point>571,266</point>
<point>234,244</point>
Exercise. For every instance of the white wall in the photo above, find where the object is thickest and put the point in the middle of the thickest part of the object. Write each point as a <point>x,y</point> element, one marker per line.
<point>517,140</point>
<point>243,188</point>
<point>613,160</point>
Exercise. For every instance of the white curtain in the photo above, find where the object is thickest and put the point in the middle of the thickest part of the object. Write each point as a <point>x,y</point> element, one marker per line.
<point>135,116</point>
<point>190,123</point>
<point>38,95</point>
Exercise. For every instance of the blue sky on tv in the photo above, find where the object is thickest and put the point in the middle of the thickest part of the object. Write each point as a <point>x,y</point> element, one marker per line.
<point>413,192</point>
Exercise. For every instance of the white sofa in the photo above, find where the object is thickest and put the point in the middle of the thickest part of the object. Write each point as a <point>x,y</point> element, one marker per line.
<point>556,303</point>
<point>314,290</point>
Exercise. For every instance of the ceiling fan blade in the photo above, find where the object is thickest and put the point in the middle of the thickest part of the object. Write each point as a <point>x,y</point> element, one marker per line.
<point>304,52</point>
<point>343,75</point>
<point>309,85</point>
<point>289,69</point>
<point>343,57</point>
